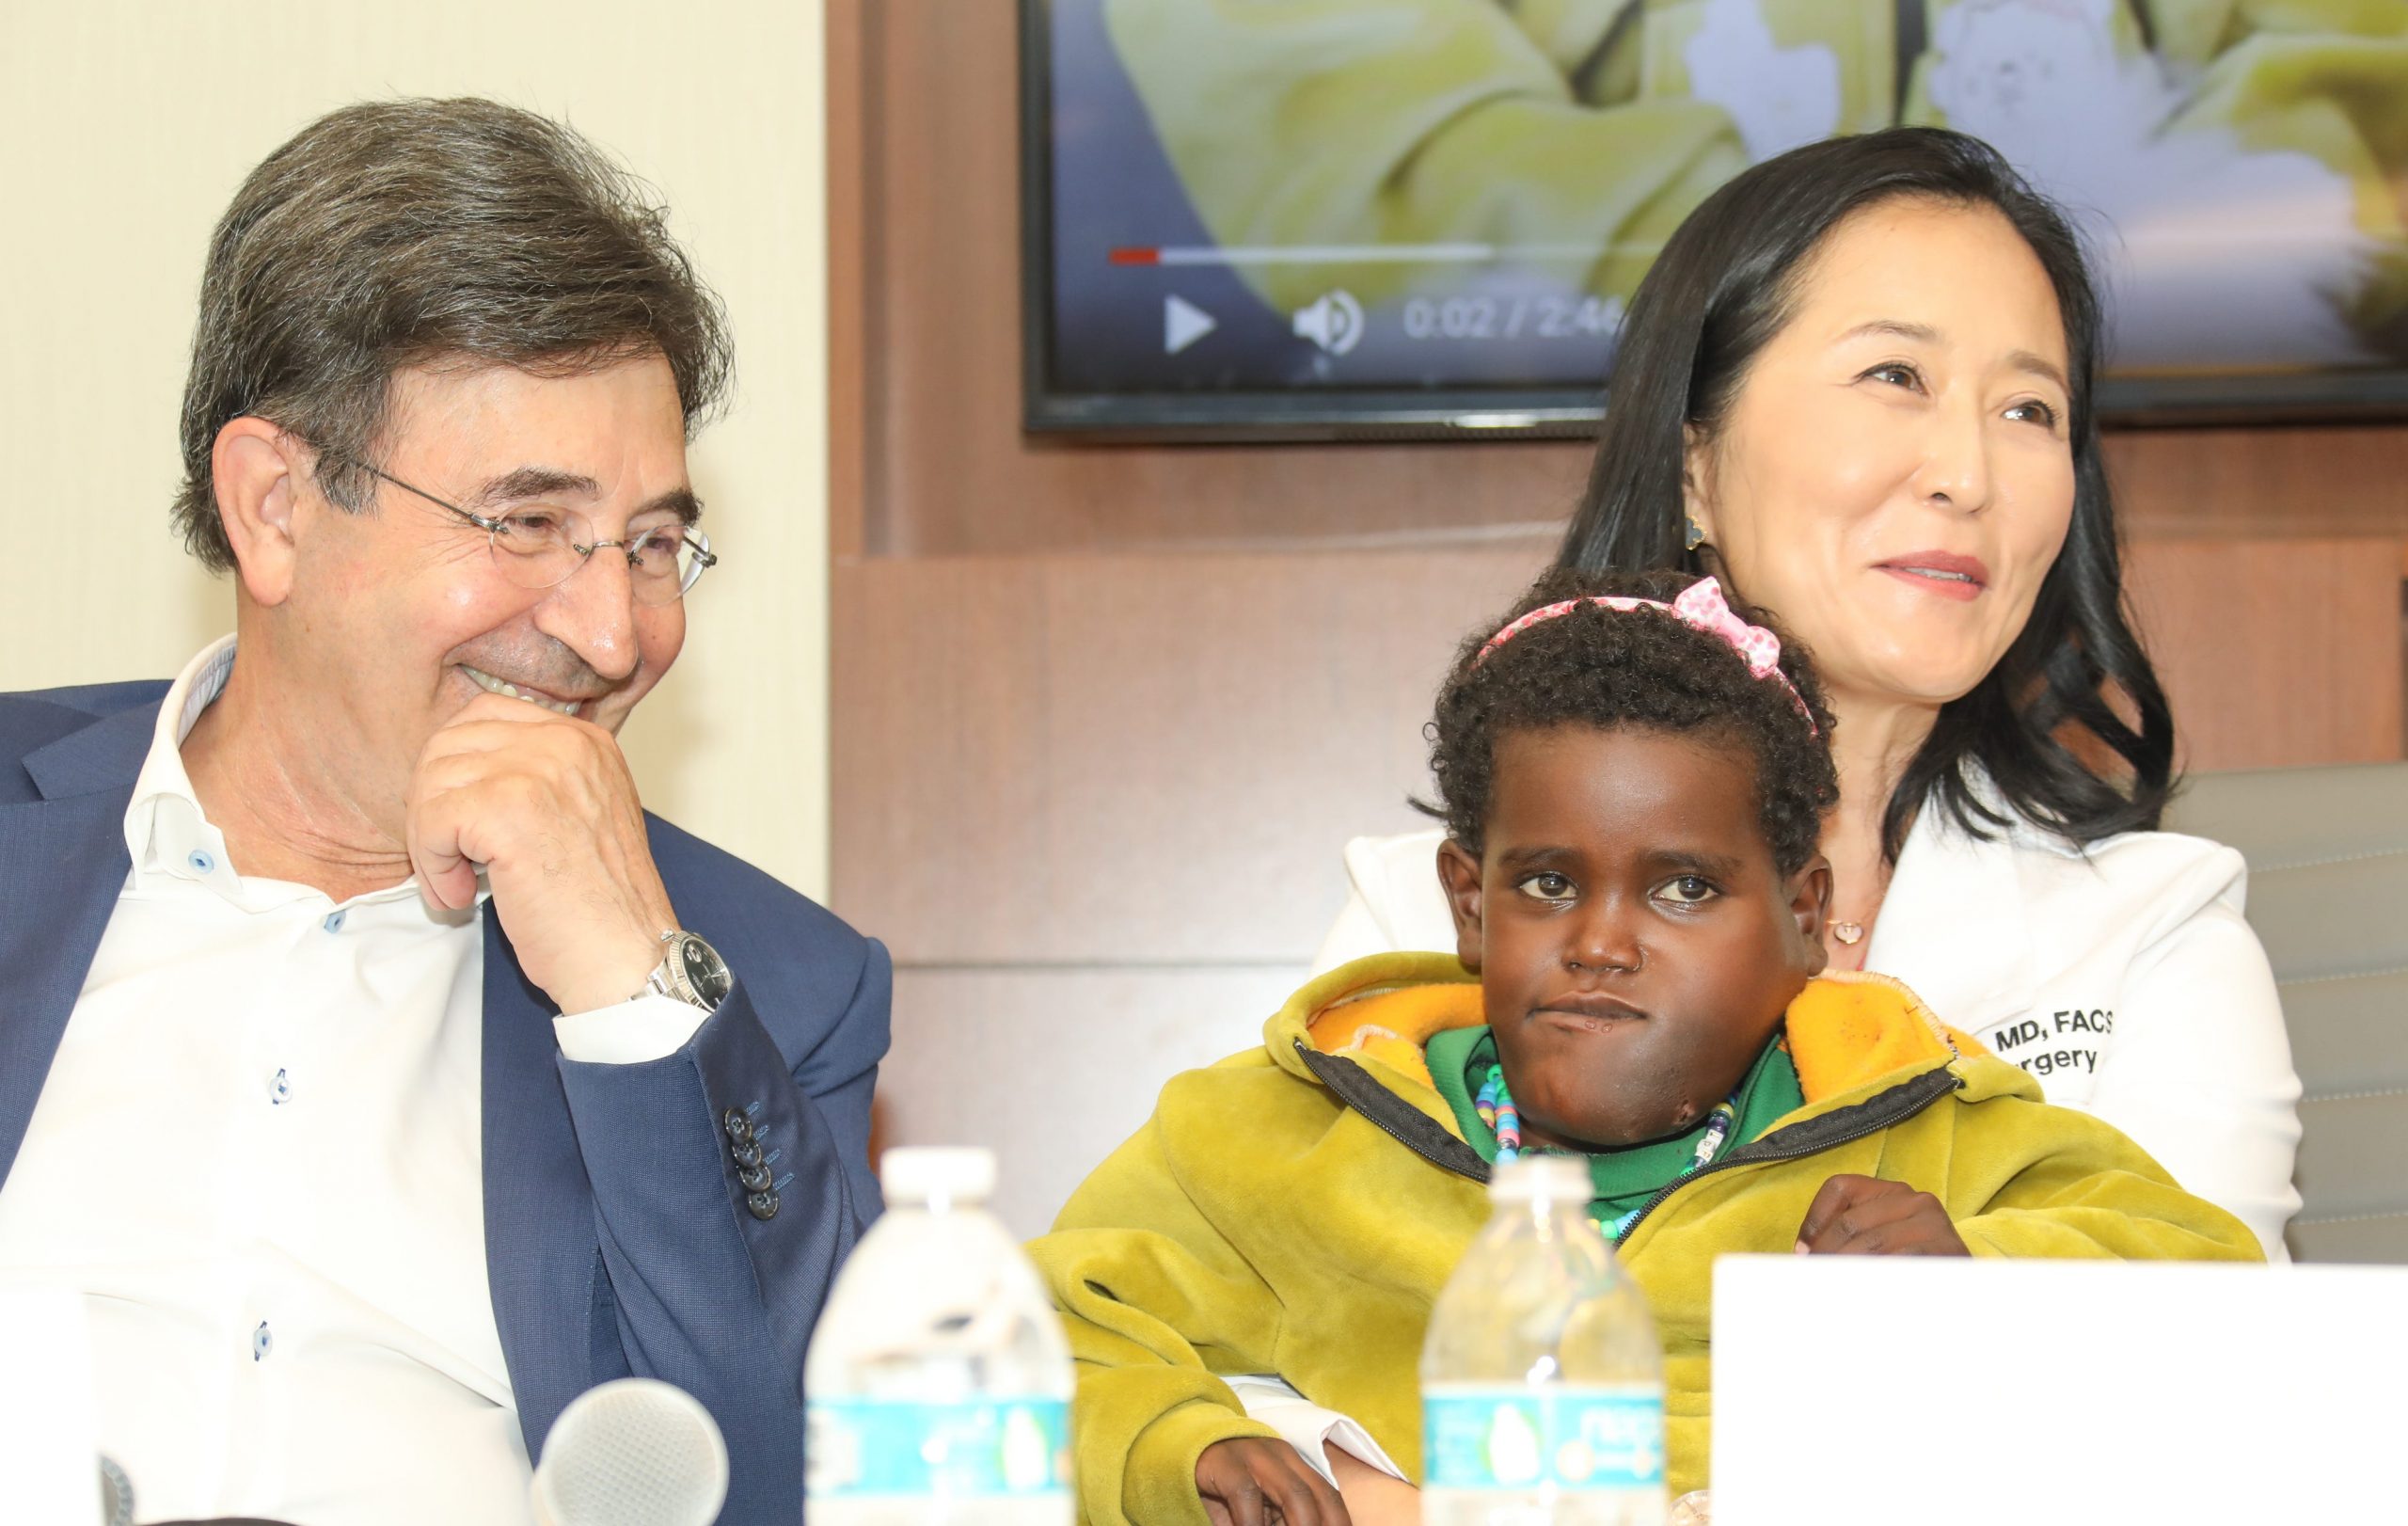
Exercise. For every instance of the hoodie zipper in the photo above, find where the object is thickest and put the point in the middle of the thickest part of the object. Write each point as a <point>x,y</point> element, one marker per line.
<point>1924,1094</point>
<point>1339,1074</point>
<point>1921,1093</point>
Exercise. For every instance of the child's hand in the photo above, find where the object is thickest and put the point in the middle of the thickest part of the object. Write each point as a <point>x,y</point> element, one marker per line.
<point>1864,1216</point>
<point>1253,1481</point>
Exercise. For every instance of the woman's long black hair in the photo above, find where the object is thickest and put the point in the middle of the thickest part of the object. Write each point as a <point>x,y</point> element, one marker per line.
<point>1723,286</point>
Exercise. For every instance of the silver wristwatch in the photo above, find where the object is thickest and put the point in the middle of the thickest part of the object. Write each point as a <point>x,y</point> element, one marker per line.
<point>690,971</point>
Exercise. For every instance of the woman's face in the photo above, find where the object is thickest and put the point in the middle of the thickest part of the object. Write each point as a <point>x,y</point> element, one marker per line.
<point>1895,476</point>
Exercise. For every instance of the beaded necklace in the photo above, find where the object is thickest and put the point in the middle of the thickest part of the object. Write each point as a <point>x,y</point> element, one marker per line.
<point>1496,1107</point>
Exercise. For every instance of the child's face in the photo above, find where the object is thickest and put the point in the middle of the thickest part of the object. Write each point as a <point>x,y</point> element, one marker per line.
<point>1636,946</point>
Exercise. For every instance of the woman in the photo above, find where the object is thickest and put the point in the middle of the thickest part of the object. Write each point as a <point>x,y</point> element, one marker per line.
<point>1858,387</point>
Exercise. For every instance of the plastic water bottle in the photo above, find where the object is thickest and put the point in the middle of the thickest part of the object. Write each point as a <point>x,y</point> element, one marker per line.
<point>1541,1381</point>
<point>937,1386</point>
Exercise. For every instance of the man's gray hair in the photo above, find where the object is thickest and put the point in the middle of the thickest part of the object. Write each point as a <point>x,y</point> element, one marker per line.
<point>395,234</point>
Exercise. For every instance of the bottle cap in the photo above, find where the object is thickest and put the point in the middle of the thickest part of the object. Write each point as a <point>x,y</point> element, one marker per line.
<point>1534,1177</point>
<point>921,1174</point>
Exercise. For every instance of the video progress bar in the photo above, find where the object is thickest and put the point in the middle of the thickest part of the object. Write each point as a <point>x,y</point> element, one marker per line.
<point>1348,254</point>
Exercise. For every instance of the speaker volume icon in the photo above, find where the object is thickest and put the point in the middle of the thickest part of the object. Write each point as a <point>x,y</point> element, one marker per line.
<point>1333,321</point>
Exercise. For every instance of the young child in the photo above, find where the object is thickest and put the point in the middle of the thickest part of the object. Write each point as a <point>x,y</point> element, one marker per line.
<point>1633,781</point>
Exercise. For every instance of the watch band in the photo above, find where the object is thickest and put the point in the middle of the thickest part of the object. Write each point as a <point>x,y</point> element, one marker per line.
<point>685,954</point>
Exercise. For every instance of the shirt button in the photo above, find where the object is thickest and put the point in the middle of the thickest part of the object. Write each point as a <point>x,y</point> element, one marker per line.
<point>279,1089</point>
<point>201,862</point>
<point>262,1343</point>
<point>334,921</point>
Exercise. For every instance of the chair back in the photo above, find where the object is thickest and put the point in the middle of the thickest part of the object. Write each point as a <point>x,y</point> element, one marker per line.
<point>2328,896</point>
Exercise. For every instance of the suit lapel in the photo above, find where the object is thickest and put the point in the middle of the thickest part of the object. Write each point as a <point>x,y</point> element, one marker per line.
<point>66,865</point>
<point>540,1236</point>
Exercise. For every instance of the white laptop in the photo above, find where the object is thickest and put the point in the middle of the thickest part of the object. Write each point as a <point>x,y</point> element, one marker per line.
<point>1853,1390</point>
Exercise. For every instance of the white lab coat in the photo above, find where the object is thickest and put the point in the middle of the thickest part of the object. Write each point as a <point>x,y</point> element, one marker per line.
<point>2122,977</point>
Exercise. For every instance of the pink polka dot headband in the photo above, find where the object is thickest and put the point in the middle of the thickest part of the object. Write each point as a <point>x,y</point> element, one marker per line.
<point>1701,607</point>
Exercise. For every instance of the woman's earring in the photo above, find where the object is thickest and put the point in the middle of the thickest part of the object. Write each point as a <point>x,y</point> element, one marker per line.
<point>1691,536</point>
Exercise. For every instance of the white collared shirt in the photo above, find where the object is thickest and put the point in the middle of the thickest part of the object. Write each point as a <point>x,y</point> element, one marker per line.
<point>257,1156</point>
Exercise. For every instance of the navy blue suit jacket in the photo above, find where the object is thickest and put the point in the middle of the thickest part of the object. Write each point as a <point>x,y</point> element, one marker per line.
<point>617,1240</point>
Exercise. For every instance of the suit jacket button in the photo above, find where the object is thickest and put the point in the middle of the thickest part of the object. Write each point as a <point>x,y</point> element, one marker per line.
<point>746,1156</point>
<point>762,1205</point>
<point>755,1179</point>
<point>740,1128</point>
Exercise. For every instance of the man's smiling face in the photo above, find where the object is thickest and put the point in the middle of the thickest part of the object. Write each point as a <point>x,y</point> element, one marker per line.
<point>398,616</point>
<point>1636,944</point>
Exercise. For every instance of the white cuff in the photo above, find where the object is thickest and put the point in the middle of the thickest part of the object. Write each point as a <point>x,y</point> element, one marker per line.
<point>651,1027</point>
<point>1307,1426</point>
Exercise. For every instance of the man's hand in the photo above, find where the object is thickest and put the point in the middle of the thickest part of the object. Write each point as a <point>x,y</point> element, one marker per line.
<point>545,803</point>
<point>1253,1481</point>
<point>1864,1216</point>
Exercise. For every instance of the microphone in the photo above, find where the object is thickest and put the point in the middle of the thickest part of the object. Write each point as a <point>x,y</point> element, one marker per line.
<point>634,1451</point>
<point>117,1495</point>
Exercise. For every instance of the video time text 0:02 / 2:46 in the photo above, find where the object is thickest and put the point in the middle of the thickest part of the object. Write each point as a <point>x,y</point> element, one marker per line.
<point>1489,317</point>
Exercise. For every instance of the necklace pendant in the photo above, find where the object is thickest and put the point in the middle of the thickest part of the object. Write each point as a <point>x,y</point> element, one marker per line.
<point>1850,933</point>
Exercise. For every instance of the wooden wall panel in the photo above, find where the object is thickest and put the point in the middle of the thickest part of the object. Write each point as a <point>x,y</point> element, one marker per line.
<point>2276,653</point>
<point>1134,759</point>
<point>1051,1069</point>
<point>2309,481</point>
<point>1125,760</point>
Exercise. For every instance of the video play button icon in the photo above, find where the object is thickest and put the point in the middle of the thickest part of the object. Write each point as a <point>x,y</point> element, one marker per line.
<point>1184,323</point>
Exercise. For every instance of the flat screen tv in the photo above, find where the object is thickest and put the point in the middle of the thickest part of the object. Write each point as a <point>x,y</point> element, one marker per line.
<point>1364,218</point>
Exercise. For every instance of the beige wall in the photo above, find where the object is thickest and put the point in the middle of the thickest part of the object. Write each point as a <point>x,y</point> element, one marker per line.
<point>128,126</point>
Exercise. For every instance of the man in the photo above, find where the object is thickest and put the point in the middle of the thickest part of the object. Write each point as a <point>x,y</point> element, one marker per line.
<point>379,1071</point>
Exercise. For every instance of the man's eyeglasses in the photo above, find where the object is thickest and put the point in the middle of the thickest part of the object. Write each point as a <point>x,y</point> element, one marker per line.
<point>544,547</point>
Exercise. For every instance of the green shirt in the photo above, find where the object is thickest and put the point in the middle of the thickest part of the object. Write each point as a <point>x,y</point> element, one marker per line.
<point>1623,1179</point>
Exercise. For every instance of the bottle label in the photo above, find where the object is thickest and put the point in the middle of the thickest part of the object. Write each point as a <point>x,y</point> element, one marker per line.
<point>988,1449</point>
<point>1478,1437</point>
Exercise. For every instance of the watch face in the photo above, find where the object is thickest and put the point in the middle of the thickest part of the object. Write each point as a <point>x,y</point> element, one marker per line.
<point>707,974</point>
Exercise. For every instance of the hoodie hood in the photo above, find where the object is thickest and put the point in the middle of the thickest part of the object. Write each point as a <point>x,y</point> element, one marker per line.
<point>1845,1031</point>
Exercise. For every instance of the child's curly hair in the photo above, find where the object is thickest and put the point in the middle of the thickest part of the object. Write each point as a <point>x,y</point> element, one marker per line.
<point>1603,667</point>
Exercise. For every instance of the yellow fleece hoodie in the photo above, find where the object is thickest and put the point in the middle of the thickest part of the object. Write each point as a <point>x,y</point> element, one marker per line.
<point>1295,1210</point>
